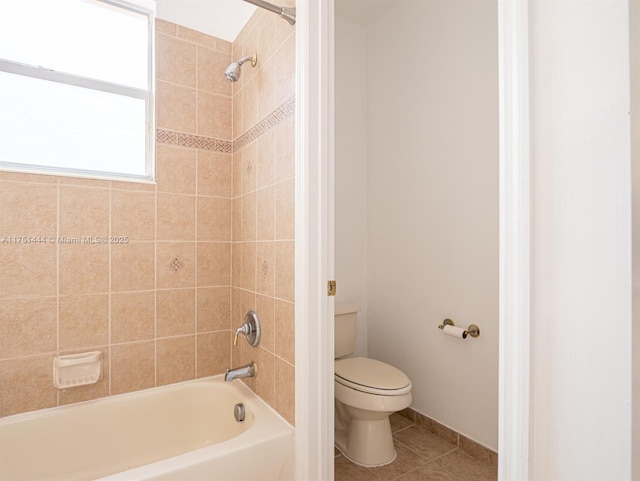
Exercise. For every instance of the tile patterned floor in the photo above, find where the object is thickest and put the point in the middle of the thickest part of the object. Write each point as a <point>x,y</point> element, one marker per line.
<point>422,456</point>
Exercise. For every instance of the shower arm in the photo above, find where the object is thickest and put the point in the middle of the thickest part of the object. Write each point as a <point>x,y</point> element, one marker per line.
<point>252,58</point>
<point>288,13</point>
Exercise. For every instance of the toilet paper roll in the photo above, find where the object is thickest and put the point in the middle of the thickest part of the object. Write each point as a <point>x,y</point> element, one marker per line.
<point>455,332</point>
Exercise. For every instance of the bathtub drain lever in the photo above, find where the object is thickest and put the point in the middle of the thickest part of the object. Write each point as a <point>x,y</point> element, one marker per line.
<point>239,412</point>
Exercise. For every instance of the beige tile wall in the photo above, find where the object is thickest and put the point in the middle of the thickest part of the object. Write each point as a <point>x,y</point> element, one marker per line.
<point>159,306</point>
<point>263,213</point>
<point>211,240</point>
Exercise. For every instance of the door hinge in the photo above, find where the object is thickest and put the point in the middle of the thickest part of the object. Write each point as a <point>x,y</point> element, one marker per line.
<point>331,288</point>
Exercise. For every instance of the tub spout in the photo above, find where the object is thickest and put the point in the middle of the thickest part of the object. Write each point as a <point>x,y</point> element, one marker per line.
<point>249,370</point>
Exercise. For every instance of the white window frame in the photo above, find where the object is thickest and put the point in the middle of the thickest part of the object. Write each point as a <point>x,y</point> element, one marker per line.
<point>143,7</point>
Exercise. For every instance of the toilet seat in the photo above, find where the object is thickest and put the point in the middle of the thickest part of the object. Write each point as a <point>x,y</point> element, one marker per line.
<point>371,376</point>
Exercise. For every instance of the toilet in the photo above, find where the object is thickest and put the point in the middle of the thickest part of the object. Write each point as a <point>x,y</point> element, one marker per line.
<point>367,392</point>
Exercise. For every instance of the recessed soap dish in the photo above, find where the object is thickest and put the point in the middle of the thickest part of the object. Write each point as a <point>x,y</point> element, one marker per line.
<point>77,369</point>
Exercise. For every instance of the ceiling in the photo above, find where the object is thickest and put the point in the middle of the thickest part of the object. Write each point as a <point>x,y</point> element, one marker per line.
<point>225,18</point>
<point>221,18</point>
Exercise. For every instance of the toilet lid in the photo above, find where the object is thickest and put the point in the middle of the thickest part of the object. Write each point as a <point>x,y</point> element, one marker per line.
<point>372,376</point>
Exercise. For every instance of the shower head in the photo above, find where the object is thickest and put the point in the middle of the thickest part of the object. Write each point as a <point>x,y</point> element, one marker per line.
<point>233,70</point>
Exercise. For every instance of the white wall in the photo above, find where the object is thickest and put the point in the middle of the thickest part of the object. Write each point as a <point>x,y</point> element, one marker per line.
<point>433,205</point>
<point>350,171</point>
<point>581,319</point>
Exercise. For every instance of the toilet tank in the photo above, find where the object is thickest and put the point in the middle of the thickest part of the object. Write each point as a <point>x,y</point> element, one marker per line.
<point>346,316</point>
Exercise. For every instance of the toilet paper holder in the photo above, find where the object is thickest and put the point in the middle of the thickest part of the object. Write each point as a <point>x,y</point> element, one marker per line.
<point>472,330</point>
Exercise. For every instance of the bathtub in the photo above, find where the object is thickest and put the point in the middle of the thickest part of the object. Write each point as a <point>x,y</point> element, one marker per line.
<point>180,432</point>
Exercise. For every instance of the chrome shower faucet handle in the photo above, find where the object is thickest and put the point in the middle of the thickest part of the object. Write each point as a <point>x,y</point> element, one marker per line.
<point>250,329</point>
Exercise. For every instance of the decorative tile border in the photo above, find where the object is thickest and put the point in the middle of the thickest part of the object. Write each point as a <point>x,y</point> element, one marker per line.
<point>193,141</point>
<point>270,121</point>
<point>286,110</point>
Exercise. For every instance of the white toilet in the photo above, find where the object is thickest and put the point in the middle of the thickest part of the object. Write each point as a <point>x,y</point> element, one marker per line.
<point>367,393</point>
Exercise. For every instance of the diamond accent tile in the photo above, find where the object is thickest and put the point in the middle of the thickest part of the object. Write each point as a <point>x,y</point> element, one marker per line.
<point>176,265</point>
<point>265,268</point>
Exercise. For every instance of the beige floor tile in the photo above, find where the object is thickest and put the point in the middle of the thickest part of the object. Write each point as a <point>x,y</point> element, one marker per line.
<point>424,442</point>
<point>436,428</point>
<point>399,422</point>
<point>421,456</point>
<point>345,470</point>
<point>430,472</point>
<point>405,462</point>
<point>467,468</point>
<point>481,453</point>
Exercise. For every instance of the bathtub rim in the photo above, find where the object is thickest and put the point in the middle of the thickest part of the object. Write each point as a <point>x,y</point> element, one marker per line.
<point>267,426</point>
<point>218,378</point>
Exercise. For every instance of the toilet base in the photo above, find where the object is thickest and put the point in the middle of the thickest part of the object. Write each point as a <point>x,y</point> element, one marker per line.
<point>354,461</point>
<point>364,465</point>
<point>366,439</point>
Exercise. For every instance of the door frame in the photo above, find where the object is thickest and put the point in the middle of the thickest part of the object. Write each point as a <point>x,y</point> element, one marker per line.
<point>514,399</point>
<point>314,458</point>
<point>314,240</point>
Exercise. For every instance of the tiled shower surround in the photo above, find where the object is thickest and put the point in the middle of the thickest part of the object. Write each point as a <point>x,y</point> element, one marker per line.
<point>211,239</point>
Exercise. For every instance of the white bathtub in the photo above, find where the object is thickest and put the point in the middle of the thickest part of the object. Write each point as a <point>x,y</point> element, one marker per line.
<point>181,432</point>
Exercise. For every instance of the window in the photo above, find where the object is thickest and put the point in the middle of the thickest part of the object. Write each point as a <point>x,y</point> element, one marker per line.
<point>75,87</point>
